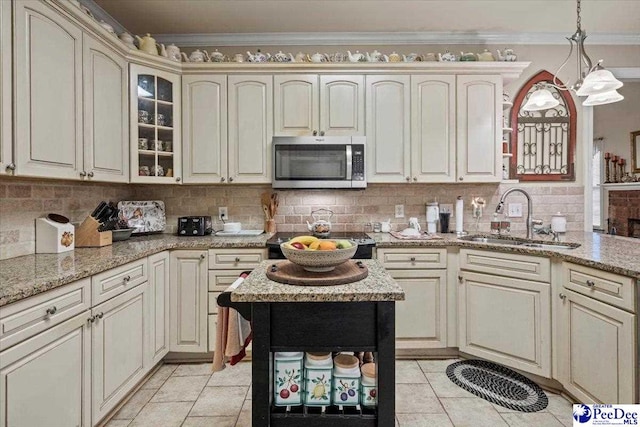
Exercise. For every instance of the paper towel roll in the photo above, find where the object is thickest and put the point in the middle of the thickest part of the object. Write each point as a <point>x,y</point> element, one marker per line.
<point>459,214</point>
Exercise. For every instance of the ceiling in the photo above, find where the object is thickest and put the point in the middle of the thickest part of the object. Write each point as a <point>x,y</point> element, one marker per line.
<point>310,16</point>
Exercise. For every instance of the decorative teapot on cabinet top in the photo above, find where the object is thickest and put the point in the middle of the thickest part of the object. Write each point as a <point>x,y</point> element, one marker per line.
<point>258,56</point>
<point>147,44</point>
<point>356,57</point>
<point>486,56</point>
<point>216,56</point>
<point>375,56</point>
<point>447,57</point>
<point>321,226</point>
<point>196,56</point>
<point>507,55</point>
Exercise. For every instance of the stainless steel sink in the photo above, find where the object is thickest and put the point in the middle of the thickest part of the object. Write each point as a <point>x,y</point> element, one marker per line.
<point>515,241</point>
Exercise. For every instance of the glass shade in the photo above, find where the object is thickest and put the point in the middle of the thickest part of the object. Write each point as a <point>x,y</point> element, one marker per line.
<point>597,82</point>
<point>603,98</point>
<point>541,99</point>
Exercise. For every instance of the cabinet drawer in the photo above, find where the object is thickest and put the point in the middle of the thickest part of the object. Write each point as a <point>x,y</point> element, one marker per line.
<point>213,303</point>
<point>27,318</point>
<point>509,265</point>
<point>606,287</point>
<point>113,282</point>
<point>220,280</point>
<point>413,257</point>
<point>241,259</point>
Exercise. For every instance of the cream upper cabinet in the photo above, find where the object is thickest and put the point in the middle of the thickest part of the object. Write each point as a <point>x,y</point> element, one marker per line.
<point>388,128</point>
<point>158,318</point>
<point>204,102</point>
<point>119,342</point>
<point>433,128</point>
<point>188,301</point>
<point>51,369</point>
<point>48,92</point>
<point>155,125</point>
<point>479,128</point>
<point>325,104</point>
<point>6,137</point>
<point>250,128</point>
<point>106,118</point>
<point>295,104</point>
<point>342,105</point>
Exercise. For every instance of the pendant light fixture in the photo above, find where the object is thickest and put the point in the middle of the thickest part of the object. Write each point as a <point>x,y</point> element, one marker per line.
<point>593,81</point>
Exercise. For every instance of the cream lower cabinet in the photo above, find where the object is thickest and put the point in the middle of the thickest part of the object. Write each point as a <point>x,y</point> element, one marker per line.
<point>596,341</point>
<point>120,336</point>
<point>7,166</point>
<point>325,104</point>
<point>421,319</point>
<point>188,301</point>
<point>504,309</point>
<point>158,307</point>
<point>45,380</point>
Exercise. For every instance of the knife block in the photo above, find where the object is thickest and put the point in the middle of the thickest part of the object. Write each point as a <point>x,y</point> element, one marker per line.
<point>88,236</point>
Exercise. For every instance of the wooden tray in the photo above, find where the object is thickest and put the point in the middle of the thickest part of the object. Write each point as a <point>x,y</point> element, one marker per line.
<point>292,274</point>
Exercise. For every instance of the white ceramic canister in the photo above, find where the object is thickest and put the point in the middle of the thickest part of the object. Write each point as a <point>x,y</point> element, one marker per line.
<point>368,385</point>
<point>346,380</point>
<point>287,378</point>
<point>317,379</point>
<point>559,223</point>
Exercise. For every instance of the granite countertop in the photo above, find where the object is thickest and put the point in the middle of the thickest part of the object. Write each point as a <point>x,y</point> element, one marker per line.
<point>616,254</point>
<point>377,286</point>
<point>29,275</point>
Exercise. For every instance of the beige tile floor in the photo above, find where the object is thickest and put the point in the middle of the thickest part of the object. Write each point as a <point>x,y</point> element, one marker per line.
<point>190,396</point>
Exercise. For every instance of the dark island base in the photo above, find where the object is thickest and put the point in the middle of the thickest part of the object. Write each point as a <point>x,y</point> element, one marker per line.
<point>323,327</point>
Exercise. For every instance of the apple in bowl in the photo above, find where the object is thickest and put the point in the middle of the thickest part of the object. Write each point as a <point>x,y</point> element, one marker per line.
<point>318,255</point>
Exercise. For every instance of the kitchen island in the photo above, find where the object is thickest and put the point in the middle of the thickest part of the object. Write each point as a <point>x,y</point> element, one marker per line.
<point>358,316</point>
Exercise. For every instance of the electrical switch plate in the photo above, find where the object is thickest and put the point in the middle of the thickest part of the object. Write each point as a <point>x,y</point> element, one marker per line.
<point>399,211</point>
<point>515,210</point>
<point>222,213</point>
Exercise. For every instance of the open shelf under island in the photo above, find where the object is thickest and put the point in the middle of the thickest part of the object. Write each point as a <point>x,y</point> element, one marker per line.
<point>358,317</point>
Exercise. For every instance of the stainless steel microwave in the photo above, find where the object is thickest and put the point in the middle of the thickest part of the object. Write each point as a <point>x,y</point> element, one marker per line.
<point>319,162</point>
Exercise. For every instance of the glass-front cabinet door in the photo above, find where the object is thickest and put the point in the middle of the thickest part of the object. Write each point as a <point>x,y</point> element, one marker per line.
<point>155,126</point>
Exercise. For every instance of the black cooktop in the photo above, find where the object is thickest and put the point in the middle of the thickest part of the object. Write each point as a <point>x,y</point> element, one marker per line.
<point>362,239</point>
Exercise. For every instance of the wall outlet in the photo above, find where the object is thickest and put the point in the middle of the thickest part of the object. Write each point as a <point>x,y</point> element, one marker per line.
<point>399,211</point>
<point>222,213</point>
<point>515,210</point>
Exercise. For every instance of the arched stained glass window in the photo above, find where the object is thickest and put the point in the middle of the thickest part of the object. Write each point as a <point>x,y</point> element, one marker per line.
<point>543,143</point>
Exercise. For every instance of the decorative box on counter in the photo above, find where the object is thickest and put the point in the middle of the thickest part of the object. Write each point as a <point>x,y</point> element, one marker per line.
<point>287,378</point>
<point>346,380</point>
<point>368,385</point>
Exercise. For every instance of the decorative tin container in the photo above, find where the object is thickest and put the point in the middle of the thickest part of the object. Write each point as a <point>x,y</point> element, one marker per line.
<point>369,386</point>
<point>317,379</point>
<point>346,380</point>
<point>287,379</point>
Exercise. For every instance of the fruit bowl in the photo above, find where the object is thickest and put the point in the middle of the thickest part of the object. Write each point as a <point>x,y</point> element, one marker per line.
<point>324,258</point>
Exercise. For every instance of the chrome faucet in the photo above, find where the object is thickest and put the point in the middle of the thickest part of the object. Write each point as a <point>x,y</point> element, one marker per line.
<point>530,220</point>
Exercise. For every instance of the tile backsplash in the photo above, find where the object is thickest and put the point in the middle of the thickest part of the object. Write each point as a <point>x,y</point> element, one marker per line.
<point>22,200</point>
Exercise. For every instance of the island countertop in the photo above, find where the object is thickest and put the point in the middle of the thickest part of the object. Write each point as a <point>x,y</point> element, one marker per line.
<point>377,286</point>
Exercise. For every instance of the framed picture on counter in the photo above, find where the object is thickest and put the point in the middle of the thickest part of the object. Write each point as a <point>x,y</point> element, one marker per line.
<point>635,152</point>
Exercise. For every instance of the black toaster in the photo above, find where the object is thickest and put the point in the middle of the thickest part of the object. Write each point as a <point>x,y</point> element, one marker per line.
<point>194,225</point>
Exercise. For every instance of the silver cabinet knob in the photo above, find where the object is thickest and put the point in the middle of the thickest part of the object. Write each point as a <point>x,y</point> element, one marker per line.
<point>321,133</point>
<point>202,256</point>
<point>11,166</point>
<point>408,179</point>
<point>126,279</point>
<point>415,179</point>
<point>591,283</point>
<point>562,297</point>
<point>231,179</point>
<point>460,278</point>
<point>222,179</point>
<point>91,319</point>
<point>177,179</point>
<point>460,178</point>
<point>413,259</point>
<point>83,174</point>
<point>90,174</point>
<point>314,133</point>
<point>52,310</point>
<point>237,259</point>
<point>99,315</point>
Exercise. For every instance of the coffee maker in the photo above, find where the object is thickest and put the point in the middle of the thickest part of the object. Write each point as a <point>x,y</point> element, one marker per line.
<point>433,215</point>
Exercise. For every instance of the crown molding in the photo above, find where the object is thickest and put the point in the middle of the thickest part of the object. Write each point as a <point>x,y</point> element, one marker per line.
<point>386,38</point>
<point>628,74</point>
